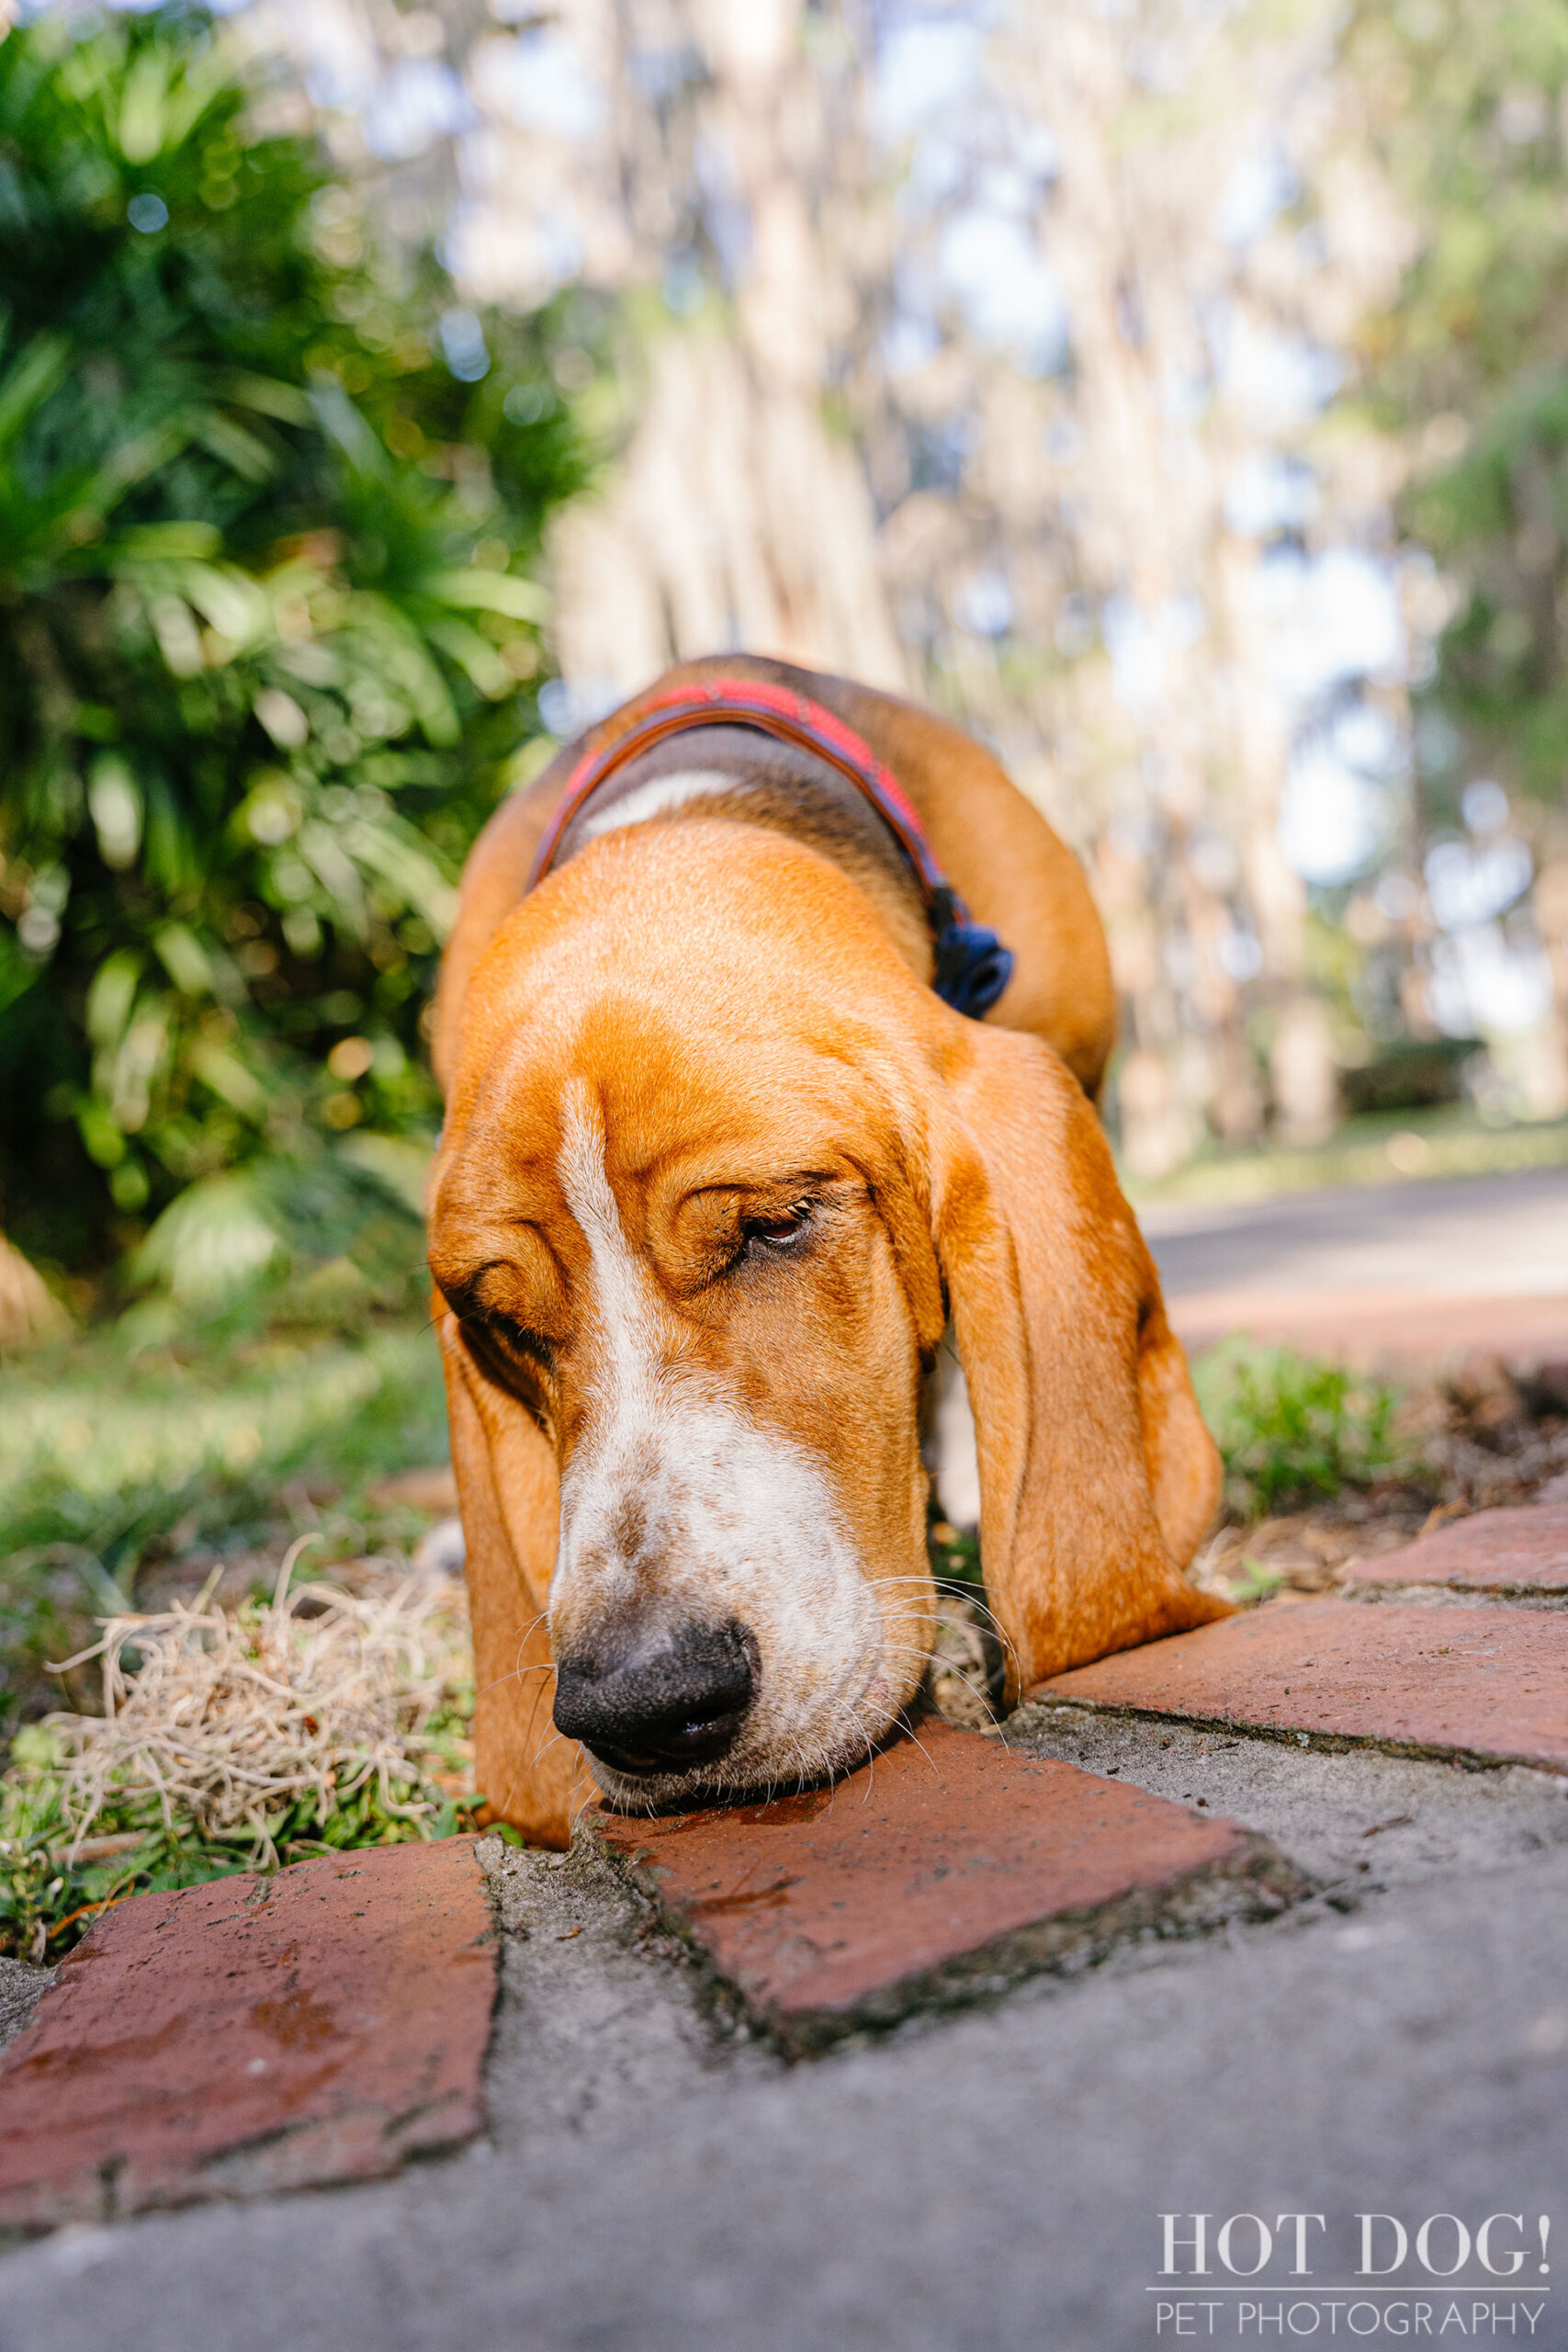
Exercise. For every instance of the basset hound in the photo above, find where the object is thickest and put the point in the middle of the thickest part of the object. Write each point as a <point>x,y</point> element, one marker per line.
<point>770,1030</point>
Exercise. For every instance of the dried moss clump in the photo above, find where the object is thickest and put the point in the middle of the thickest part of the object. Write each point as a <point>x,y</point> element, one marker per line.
<point>307,1724</point>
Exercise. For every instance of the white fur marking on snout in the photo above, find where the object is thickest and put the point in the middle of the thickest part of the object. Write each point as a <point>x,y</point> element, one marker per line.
<point>622,1287</point>
<point>676,1506</point>
<point>950,1449</point>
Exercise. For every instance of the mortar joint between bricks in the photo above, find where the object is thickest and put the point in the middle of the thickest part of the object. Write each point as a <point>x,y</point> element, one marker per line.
<point>1312,1741</point>
<point>489,1866</point>
<point>1442,1596</point>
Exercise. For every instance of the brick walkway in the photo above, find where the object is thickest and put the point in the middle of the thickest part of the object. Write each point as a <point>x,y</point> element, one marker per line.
<point>254,2035</point>
<point>950,1867</point>
<point>1418,1660</point>
<point>1519,1554</point>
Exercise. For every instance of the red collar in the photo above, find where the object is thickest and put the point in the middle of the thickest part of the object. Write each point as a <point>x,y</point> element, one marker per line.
<point>972,965</point>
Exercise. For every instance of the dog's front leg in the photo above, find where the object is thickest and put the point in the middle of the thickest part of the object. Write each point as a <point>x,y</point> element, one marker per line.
<point>948,1445</point>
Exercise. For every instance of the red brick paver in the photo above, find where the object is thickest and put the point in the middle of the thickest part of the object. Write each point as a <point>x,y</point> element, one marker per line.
<point>948,1861</point>
<point>1523,1551</point>
<point>1484,1680</point>
<point>254,2034</point>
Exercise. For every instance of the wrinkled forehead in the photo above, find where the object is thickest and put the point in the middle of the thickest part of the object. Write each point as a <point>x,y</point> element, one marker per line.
<point>663,1107</point>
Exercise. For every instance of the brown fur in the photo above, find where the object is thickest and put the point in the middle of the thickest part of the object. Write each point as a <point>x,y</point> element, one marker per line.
<point>749,1023</point>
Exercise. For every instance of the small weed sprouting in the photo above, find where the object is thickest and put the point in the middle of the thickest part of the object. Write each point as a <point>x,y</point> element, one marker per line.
<point>954,1555</point>
<point>1258,1582</point>
<point>1294,1432</point>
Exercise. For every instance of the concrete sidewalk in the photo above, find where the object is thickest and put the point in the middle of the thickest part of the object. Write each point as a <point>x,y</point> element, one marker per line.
<point>1399,2045</point>
<point>1386,2035</point>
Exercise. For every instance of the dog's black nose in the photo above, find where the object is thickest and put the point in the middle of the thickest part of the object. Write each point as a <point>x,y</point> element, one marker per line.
<point>656,1710</point>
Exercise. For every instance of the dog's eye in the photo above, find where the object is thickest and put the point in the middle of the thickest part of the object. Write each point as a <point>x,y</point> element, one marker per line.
<point>488,1327</point>
<point>523,1343</point>
<point>778,1232</point>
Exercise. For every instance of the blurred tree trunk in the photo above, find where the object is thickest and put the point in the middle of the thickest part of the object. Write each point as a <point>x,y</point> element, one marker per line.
<point>736,517</point>
<point>1122,263</point>
<point>1188,812</point>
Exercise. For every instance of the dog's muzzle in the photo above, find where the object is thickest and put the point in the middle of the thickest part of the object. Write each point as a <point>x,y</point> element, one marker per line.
<point>644,1707</point>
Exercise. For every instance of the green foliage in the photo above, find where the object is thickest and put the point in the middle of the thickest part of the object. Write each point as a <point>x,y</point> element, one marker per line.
<point>1293,1431</point>
<point>1500,519</point>
<point>1466,102</point>
<point>1462,97</point>
<point>955,1556</point>
<point>122,1448</point>
<point>266,649</point>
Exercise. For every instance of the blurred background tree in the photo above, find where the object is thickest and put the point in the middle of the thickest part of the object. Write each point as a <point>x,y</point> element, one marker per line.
<point>1171,395</point>
<point>1034,360</point>
<point>269,654</point>
<point>987,352</point>
<point>1467,109</point>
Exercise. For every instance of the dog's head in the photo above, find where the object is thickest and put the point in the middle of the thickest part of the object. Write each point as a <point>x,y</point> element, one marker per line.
<point>709,1195</point>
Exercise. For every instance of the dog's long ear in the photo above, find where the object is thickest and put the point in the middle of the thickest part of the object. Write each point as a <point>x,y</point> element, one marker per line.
<point>510,1490</point>
<point>1186,1474</point>
<point>1097,1476</point>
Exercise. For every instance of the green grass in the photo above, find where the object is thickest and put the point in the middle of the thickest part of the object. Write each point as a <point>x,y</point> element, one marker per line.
<point>1380,1148</point>
<point>1294,1432</point>
<point>122,1447</point>
<point>117,1449</point>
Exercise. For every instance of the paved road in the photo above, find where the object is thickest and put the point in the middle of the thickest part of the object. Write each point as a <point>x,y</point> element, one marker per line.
<point>1483,1235</point>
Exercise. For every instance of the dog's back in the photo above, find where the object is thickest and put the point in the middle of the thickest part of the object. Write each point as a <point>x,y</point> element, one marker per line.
<point>763,1073</point>
<point>1010,866</point>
